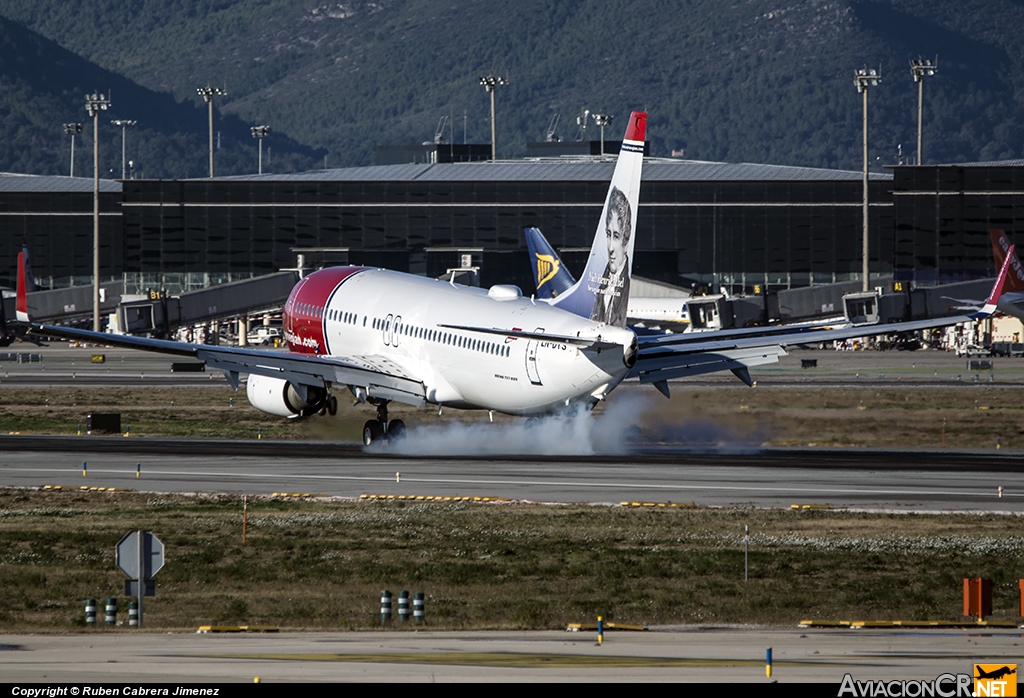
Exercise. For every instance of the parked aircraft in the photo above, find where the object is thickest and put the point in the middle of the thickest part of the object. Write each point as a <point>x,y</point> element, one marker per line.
<point>387,336</point>
<point>1012,301</point>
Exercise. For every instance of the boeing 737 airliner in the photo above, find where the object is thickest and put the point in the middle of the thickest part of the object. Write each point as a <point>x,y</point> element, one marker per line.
<point>387,336</point>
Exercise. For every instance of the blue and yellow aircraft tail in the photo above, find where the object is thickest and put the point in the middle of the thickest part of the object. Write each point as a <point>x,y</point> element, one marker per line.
<point>549,273</point>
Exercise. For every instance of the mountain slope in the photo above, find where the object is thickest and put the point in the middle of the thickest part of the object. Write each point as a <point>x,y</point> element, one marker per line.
<point>731,80</point>
<point>44,87</point>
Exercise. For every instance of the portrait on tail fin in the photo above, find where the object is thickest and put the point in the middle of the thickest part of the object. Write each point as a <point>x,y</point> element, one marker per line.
<point>611,290</point>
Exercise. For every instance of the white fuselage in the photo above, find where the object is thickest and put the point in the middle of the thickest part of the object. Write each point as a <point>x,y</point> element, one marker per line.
<point>396,322</point>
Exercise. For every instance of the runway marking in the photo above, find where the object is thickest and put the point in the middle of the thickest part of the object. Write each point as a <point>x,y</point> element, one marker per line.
<point>985,493</point>
<point>514,659</point>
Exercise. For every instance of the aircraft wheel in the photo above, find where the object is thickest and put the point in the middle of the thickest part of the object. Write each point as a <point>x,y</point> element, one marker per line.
<point>332,405</point>
<point>372,432</point>
<point>396,430</point>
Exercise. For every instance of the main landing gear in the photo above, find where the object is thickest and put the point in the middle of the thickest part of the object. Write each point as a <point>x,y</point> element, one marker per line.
<point>376,430</point>
<point>329,406</point>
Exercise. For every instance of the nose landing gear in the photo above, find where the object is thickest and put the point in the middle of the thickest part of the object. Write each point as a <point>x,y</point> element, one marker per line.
<point>376,430</point>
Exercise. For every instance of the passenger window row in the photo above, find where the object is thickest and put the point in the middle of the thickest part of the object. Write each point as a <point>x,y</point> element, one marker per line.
<point>440,337</point>
<point>340,316</point>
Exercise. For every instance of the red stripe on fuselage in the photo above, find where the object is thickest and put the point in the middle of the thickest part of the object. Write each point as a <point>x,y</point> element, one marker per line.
<point>307,303</point>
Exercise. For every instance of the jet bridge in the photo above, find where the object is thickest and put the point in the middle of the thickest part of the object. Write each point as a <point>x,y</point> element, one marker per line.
<point>162,314</point>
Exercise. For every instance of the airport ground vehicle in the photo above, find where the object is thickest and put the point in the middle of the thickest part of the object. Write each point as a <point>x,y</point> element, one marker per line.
<point>264,334</point>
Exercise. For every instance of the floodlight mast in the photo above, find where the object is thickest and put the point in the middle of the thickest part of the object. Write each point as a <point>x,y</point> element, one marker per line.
<point>863,79</point>
<point>260,132</point>
<point>72,130</point>
<point>603,120</point>
<point>124,124</point>
<point>94,104</point>
<point>919,69</point>
<point>490,82</point>
<point>208,93</point>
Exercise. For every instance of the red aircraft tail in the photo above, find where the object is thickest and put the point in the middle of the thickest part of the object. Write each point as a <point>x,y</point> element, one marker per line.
<point>21,305</point>
<point>1000,247</point>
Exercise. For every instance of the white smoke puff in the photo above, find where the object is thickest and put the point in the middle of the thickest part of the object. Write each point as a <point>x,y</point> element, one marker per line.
<point>572,432</point>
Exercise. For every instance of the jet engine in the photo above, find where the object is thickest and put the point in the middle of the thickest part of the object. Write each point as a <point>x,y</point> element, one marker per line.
<point>278,397</point>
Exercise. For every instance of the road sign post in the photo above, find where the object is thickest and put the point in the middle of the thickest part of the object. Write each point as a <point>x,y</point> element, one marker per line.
<point>140,555</point>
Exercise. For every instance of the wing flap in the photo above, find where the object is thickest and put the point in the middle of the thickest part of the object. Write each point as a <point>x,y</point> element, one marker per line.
<point>681,365</point>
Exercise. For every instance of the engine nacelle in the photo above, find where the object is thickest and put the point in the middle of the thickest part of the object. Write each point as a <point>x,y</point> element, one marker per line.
<point>278,397</point>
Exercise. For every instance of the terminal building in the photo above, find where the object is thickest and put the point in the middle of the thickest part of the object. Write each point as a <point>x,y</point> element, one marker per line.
<point>702,226</point>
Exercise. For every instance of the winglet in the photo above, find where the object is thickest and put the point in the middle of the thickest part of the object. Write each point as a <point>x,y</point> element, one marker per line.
<point>997,290</point>
<point>21,305</point>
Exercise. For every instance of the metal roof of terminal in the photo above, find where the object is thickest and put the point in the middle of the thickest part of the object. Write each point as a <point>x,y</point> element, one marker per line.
<point>575,168</point>
<point>994,163</point>
<point>10,182</point>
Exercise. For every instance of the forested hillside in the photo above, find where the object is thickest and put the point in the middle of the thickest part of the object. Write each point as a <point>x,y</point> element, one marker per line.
<point>734,80</point>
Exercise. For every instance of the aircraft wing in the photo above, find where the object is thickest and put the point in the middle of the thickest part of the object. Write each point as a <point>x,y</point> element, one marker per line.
<point>377,376</point>
<point>666,357</point>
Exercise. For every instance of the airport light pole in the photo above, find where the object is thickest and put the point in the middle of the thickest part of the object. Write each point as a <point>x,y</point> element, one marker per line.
<point>603,120</point>
<point>261,132</point>
<point>208,93</point>
<point>490,83</point>
<point>863,79</point>
<point>919,69</point>
<point>94,104</point>
<point>124,124</point>
<point>72,130</point>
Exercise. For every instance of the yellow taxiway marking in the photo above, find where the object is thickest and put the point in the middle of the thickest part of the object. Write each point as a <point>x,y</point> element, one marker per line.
<point>511,659</point>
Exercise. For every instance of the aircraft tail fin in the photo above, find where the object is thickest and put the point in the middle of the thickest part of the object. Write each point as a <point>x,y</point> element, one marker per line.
<point>1000,248</point>
<point>998,288</point>
<point>30,280</point>
<point>550,276</point>
<point>21,303</point>
<point>602,291</point>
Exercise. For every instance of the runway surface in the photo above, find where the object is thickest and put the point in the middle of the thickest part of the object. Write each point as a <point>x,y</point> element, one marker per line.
<point>888,480</point>
<point>721,655</point>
